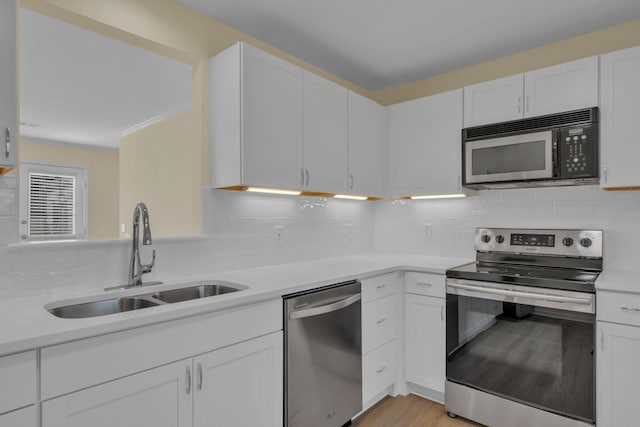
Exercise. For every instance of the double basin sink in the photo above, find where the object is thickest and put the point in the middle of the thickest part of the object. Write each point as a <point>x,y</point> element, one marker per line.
<point>153,299</point>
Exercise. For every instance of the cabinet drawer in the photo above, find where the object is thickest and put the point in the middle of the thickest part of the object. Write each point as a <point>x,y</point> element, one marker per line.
<point>618,307</point>
<point>379,319</point>
<point>380,286</point>
<point>378,370</point>
<point>17,381</point>
<point>425,284</point>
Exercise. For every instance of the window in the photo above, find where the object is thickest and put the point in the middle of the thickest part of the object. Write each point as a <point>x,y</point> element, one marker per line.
<point>52,202</point>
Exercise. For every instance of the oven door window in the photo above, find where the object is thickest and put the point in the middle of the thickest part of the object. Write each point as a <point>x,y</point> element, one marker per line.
<point>511,158</point>
<point>537,356</point>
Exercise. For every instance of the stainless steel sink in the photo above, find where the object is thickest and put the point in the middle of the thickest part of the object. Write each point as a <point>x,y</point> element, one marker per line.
<point>118,305</point>
<point>101,308</point>
<point>194,292</point>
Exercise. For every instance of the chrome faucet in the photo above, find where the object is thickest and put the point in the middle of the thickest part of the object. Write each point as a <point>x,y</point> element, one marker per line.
<point>136,268</point>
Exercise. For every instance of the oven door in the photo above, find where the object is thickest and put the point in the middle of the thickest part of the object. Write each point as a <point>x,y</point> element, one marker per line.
<point>511,158</point>
<point>530,345</point>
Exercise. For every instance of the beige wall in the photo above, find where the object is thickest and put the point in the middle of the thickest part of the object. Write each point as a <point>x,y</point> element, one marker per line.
<point>102,177</point>
<point>156,168</point>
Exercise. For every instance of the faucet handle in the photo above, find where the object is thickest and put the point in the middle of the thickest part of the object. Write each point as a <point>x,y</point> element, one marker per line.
<point>146,268</point>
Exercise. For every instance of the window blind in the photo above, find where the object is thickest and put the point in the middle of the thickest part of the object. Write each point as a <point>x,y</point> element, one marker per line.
<point>52,204</point>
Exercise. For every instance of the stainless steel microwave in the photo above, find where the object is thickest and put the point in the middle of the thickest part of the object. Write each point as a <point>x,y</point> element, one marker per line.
<point>552,150</point>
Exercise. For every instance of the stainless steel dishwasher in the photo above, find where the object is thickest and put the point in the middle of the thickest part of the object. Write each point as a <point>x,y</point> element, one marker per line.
<point>323,356</point>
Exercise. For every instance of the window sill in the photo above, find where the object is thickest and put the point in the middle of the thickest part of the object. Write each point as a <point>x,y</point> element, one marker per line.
<point>71,244</point>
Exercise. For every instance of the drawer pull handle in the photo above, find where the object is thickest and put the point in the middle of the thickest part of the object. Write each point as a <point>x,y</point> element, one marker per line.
<point>381,321</point>
<point>381,370</point>
<point>424,284</point>
<point>199,376</point>
<point>624,307</point>
<point>381,286</point>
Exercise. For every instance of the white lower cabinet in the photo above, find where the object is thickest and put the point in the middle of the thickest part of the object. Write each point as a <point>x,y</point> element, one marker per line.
<point>160,397</point>
<point>240,385</point>
<point>25,417</point>
<point>379,370</point>
<point>618,375</point>
<point>425,341</point>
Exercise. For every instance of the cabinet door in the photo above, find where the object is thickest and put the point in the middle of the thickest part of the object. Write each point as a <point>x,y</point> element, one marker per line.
<point>424,145</point>
<point>425,341</point>
<point>22,418</point>
<point>618,375</point>
<point>563,87</point>
<point>240,385</point>
<point>8,85</point>
<point>325,135</point>
<point>271,121</point>
<point>493,101</point>
<point>20,372</point>
<point>619,112</point>
<point>161,397</point>
<point>366,121</point>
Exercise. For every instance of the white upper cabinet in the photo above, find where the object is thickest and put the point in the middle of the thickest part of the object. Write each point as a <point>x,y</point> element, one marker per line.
<point>8,85</point>
<point>564,87</point>
<point>366,130</point>
<point>493,101</point>
<point>325,135</point>
<point>424,145</point>
<point>619,113</point>
<point>256,119</point>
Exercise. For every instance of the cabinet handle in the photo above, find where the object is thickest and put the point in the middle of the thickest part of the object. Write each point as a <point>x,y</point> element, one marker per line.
<point>442,313</point>
<point>604,172</point>
<point>7,142</point>
<point>307,176</point>
<point>519,104</point>
<point>626,307</point>
<point>301,176</point>
<point>602,340</point>
<point>188,380</point>
<point>381,321</point>
<point>381,370</point>
<point>426,284</point>
<point>199,376</point>
<point>381,286</point>
<point>351,183</point>
<point>527,103</point>
<point>459,183</point>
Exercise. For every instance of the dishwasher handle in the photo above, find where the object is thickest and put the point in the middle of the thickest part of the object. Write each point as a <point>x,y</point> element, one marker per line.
<point>323,309</point>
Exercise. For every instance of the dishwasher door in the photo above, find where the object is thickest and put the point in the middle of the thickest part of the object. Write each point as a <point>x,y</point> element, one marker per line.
<point>323,356</point>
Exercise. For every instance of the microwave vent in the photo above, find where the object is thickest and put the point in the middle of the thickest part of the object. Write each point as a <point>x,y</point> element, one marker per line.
<point>531,124</point>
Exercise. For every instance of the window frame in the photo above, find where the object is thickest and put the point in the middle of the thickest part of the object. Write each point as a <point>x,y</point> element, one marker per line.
<point>81,199</point>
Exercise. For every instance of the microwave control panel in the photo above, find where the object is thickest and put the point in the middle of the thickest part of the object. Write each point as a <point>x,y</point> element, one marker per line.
<point>578,151</point>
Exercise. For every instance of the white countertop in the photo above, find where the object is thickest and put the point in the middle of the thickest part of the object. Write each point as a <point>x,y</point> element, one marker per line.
<point>25,324</point>
<point>619,281</point>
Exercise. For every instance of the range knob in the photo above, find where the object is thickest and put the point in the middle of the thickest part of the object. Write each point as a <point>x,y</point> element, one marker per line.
<point>485,238</point>
<point>586,242</point>
<point>499,238</point>
<point>567,241</point>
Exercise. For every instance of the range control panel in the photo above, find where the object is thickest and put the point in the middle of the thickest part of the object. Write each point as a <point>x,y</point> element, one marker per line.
<point>578,151</point>
<point>572,243</point>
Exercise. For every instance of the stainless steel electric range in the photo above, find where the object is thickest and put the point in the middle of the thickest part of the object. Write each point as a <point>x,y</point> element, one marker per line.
<point>520,329</point>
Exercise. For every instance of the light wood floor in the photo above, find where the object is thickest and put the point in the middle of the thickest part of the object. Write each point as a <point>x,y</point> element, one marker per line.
<point>408,411</point>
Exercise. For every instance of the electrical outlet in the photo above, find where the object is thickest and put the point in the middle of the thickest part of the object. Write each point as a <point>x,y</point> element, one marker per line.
<point>123,228</point>
<point>427,231</point>
<point>279,229</point>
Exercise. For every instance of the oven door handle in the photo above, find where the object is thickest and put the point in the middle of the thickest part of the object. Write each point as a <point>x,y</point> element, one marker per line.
<point>323,309</point>
<point>505,292</point>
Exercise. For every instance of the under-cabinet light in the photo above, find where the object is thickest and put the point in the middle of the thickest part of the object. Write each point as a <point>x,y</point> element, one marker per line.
<point>273,191</point>
<point>346,196</point>
<point>439,196</point>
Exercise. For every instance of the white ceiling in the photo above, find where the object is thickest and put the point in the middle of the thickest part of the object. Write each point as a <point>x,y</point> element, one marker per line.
<point>383,43</point>
<point>84,88</point>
